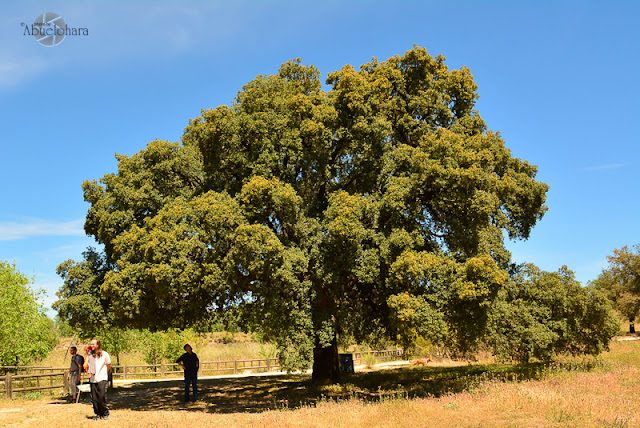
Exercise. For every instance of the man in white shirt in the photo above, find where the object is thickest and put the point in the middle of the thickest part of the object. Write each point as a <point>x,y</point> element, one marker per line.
<point>99,368</point>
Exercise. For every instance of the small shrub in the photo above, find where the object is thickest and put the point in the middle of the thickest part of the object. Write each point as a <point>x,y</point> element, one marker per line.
<point>228,337</point>
<point>267,351</point>
<point>561,416</point>
<point>369,360</point>
<point>35,395</point>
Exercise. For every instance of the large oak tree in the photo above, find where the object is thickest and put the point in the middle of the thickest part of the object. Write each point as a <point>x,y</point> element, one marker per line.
<point>310,209</point>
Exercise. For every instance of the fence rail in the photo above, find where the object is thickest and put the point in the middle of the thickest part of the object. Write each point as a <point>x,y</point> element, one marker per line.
<point>48,378</point>
<point>34,382</point>
<point>206,368</point>
<point>379,355</point>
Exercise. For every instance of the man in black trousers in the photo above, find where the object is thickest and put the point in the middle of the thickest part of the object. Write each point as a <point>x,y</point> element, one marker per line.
<point>191,364</point>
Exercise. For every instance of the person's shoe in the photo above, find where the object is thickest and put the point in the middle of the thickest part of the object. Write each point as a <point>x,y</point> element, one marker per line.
<point>95,418</point>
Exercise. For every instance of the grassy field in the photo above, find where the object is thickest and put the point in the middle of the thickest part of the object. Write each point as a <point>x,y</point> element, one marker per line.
<point>582,392</point>
<point>209,348</point>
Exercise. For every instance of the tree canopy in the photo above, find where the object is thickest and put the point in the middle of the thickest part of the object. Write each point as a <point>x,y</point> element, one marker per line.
<point>25,331</point>
<point>621,281</point>
<point>310,209</point>
<point>542,314</point>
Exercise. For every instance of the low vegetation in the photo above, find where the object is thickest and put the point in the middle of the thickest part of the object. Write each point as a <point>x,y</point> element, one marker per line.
<point>220,346</point>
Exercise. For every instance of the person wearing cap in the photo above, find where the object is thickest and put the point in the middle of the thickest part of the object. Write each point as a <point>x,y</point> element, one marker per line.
<point>190,364</point>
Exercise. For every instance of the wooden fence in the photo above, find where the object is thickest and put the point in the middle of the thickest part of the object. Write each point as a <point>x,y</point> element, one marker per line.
<point>48,378</point>
<point>206,368</point>
<point>380,356</point>
<point>14,383</point>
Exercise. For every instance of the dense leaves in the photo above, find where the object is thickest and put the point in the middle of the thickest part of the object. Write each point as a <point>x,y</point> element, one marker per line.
<point>542,314</point>
<point>81,302</point>
<point>412,318</point>
<point>308,210</point>
<point>621,282</point>
<point>25,331</point>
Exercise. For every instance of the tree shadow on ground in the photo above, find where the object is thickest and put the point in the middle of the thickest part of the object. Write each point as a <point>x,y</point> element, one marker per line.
<point>247,395</point>
<point>257,394</point>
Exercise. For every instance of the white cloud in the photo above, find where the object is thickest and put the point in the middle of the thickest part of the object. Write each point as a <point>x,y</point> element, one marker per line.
<point>14,71</point>
<point>37,227</point>
<point>118,33</point>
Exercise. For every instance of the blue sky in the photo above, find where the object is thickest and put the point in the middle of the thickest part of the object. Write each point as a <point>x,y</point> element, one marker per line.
<point>559,80</point>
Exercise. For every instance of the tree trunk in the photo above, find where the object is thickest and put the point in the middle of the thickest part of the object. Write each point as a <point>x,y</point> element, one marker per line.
<point>326,364</point>
<point>632,327</point>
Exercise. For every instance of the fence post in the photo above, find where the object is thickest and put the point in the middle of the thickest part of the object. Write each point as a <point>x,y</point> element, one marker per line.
<point>65,382</point>
<point>7,385</point>
<point>268,365</point>
<point>235,366</point>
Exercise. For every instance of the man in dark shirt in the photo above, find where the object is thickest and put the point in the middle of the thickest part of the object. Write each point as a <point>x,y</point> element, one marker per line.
<point>75,369</point>
<point>191,364</point>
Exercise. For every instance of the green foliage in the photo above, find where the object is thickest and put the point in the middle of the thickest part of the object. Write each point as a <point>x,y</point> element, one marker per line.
<point>25,331</point>
<point>118,340</point>
<point>81,304</point>
<point>413,318</point>
<point>621,281</point>
<point>62,327</point>
<point>299,208</point>
<point>369,360</point>
<point>227,321</point>
<point>161,346</point>
<point>542,314</point>
<point>227,337</point>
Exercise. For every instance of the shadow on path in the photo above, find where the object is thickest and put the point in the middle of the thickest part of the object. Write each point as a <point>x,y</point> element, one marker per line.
<point>249,394</point>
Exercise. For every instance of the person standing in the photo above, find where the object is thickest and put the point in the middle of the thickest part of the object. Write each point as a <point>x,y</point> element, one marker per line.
<point>99,368</point>
<point>75,371</point>
<point>190,364</point>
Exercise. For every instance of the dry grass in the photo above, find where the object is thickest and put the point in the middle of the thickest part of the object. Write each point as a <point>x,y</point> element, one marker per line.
<point>575,393</point>
<point>208,348</point>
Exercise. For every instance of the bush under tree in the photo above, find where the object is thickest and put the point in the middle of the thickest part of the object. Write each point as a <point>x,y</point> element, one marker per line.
<point>542,314</point>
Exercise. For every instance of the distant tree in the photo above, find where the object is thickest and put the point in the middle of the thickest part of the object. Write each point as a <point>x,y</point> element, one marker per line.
<point>621,282</point>
<point>542,314</point>
<point>80,302</point>
<point>309,209</point>
<point>62,327</point>
<point>117,340</point>
<point>160,346</point>
<point>26,333</point>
